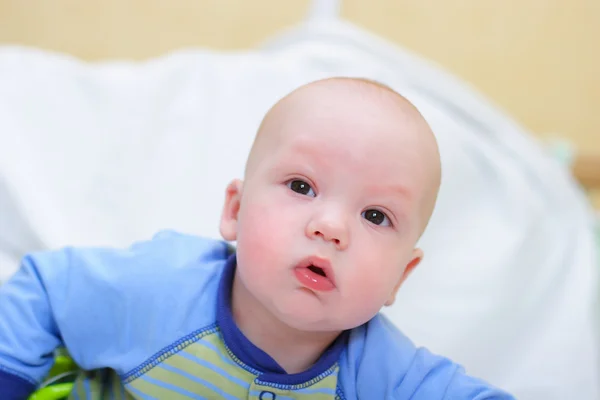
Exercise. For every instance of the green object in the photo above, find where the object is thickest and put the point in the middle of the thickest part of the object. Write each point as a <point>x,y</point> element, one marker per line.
<point>53,392</point>
<point>62,364</point>
<point>55,387</point>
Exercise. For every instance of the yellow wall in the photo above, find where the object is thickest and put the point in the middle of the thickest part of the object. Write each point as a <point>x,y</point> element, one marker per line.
<point>537,59</point>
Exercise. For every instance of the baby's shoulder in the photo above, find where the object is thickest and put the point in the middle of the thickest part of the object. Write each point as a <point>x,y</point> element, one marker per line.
<point>144,297</point>
<point>169,258</point>
<point>170,272</point>
<point>381,362</point>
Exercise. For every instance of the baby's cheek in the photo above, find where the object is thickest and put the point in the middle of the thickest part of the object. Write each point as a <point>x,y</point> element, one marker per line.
<point>261,235</point>
<point>366,295</point>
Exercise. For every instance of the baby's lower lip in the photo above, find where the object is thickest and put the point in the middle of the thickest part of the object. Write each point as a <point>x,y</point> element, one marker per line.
<point>312,280</point>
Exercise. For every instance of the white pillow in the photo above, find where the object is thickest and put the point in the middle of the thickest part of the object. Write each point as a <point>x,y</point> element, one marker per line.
<point>110,153</point>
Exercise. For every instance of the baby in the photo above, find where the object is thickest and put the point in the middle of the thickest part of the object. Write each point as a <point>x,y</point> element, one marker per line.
<point>339,186</point>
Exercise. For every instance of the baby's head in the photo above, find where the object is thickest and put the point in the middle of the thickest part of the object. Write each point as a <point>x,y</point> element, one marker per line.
<point>340,184</point>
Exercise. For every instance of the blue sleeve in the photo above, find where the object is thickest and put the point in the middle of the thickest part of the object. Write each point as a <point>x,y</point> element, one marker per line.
<point>381,363</point>
<point>104,305</point>
<point>433,377</point>
<point>28,331</point>
<point>14,387</point>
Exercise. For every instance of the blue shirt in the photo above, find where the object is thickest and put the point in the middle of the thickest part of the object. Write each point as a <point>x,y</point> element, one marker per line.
<point>154,321</point>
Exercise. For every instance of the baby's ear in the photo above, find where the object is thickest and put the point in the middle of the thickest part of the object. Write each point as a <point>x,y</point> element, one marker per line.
<point>416,258</point>
<point>231,208</point>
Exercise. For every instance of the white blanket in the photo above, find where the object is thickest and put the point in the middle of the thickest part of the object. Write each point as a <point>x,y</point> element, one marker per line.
<point>106,154</point>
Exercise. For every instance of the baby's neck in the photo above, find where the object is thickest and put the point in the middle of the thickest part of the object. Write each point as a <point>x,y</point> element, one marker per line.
<point>295,351</point>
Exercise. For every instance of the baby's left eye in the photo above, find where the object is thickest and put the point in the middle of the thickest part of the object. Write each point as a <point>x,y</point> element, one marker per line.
<point>301,187</point>
<point>376,217</point>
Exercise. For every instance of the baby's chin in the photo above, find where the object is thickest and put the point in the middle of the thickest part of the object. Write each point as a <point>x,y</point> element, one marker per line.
<point>305,317</point>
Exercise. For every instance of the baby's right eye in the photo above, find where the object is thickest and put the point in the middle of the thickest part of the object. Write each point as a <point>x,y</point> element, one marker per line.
<point>301,187</point>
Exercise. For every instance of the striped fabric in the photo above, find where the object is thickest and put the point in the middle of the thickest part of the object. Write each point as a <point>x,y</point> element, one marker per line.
<point>99,385</point>
<point>203,368</point>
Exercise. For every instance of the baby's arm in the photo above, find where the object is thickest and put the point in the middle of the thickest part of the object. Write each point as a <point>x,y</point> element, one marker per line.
<point>391,367</point>
<point>28,329</point>
<point>64,297</point>
<point>109,307</point>
<point>435,377</point>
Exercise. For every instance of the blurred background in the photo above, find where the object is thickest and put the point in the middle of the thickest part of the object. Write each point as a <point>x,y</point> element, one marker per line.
<point>122,125</point>
<point>536,59</point>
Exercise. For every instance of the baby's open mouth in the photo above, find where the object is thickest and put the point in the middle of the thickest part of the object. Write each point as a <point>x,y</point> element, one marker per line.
<point>317,270</point>
<point>315,273</point>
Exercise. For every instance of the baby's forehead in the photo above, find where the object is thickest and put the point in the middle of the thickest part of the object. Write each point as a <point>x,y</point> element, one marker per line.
<point>361,127</point>
<point>362,119</point>
<point>351,158</point>
<point>355,133</point>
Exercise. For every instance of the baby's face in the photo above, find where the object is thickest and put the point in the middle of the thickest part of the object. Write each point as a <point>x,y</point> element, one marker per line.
<point>331,209</point>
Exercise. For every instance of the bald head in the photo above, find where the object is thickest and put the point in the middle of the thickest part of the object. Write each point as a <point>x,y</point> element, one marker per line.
<point>357,111</point>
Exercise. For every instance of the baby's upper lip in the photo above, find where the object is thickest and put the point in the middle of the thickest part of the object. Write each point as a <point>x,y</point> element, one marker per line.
<point>320,262</point>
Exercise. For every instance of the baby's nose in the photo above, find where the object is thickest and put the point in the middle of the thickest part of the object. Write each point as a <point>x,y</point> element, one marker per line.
<point>330,230</point>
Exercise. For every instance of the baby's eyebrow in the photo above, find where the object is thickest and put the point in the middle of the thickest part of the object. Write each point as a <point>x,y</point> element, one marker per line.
<point>395,190</point>
<point>401,191</point>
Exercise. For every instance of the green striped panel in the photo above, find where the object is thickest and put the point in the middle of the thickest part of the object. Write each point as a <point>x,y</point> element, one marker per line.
<point>98,385</point>
<point>205,368</point>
